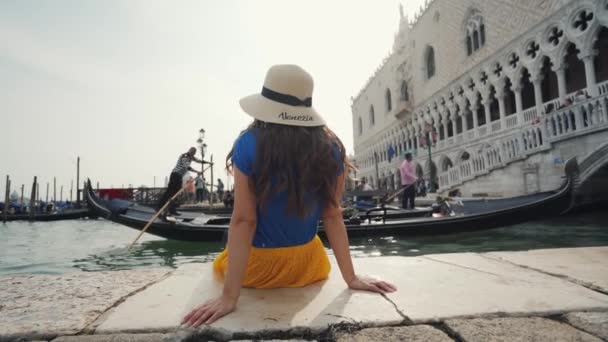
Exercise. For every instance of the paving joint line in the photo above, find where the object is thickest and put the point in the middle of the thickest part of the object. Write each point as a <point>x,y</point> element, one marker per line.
<point>454,335</point>
<point>562,319</point>
<point>584,284</point>
<point>92,327</point>
<point>406,319</point>
<point>462,266</point>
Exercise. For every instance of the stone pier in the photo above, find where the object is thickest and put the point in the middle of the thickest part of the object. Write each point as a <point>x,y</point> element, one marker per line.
<point>540,295</point>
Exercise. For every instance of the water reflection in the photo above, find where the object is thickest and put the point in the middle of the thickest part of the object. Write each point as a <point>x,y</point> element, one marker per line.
<point>167,253</point>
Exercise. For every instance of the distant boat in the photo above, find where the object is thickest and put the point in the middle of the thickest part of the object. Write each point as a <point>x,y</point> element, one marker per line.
<point>69,214</point>
<point>473,215</point>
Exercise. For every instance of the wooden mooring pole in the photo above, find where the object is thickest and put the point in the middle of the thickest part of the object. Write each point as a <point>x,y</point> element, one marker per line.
<point>61,194</point>
<point>33,198</point>
<point>71,189</point>
<point>54,189</point>
<point>22,188</point>
<point>6,199</point>
<point>211,192</point>
<point>78,181</point>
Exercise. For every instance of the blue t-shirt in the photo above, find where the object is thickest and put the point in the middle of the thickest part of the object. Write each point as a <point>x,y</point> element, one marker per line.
<point>275,227</point>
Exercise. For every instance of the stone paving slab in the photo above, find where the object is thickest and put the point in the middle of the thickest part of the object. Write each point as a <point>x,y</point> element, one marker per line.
<point>315,307</point>
<point>161,306</point>
<point>595,323</point>
<point>436,287</point>
<point>517,330</point>
<point>43,306</point>
<point>416,333</point>
<point>115,338</point>
<point>585,265</point>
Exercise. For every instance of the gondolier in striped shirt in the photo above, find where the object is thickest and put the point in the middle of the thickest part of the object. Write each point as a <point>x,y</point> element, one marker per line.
<point>175,180</point>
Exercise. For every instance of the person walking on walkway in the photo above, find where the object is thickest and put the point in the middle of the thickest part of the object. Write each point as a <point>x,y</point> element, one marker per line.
<point>289,172</point>
<point>199,183</point>
<point>408,182</point>
<point>220,189</point>
<point>175,180</point>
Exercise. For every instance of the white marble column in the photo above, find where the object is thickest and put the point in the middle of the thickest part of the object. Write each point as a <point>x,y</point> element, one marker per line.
<point>437,127</point>
<point>538,94</point>
<point>474,107</point>
<point>500,96</point>
<point>519,110</point>
<point>463,121</point>
<point>561,81</point>
<point>486,108</point>
<point>590,75</point>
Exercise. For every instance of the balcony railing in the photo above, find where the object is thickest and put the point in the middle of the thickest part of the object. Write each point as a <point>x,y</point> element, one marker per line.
<point>532,137</point>
<point>530,114</point>
<point>496,126</point>
<point>511,121</point>
<point>603,88</point>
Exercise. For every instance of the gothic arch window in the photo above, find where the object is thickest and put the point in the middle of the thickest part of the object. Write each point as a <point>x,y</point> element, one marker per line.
<point>429,62</point>
<point>360,126</point>
<point>475,32</point>
<point>372,116</point>
<point>405,96</point>
<point>388,100</point>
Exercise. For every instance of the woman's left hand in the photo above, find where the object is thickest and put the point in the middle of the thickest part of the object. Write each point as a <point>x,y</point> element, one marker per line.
<point>370,284</point>
<point>209,312</point>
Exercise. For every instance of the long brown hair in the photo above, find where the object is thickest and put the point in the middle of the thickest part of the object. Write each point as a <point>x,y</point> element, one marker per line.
<point>302,161</point>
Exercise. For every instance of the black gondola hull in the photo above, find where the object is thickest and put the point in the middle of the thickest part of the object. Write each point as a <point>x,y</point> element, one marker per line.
<point>533,208</point>
<point>69,215</point>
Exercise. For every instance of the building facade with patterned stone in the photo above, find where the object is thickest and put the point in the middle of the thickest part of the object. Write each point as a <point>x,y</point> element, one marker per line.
<point>498,93</point>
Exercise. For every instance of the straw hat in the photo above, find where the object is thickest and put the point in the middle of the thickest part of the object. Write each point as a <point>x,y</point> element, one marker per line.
<point>286,98</point>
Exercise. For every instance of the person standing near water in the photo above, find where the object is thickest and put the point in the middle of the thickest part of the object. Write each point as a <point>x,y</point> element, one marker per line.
<point>199,183</point>
<point>408,182</point>
<point>289,171</point>
<point>220,189</point>
<point>175,180</point>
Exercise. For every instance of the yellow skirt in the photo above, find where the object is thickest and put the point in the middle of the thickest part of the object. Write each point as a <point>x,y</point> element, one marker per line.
<point>269,268</point>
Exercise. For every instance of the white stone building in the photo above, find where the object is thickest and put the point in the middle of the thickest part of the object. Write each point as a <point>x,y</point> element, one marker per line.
<point>505,90</point>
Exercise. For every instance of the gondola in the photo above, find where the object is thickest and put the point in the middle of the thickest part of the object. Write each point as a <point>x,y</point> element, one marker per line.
<point>391,212</point>
<point>71,214</point>
<point>472,215</point>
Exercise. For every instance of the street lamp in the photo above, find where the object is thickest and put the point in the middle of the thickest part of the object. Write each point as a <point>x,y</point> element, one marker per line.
<point>202,146</point>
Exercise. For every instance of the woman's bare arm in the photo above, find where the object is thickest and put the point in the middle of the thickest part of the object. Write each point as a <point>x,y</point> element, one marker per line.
<point>240,236</point>
<point>334,227</point>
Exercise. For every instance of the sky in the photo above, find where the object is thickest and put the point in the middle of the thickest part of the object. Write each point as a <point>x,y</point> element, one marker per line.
<point>126,85</point>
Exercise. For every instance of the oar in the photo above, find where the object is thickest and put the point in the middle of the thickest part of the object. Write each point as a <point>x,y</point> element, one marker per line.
<point>396,194</point>
<point>159,212</point>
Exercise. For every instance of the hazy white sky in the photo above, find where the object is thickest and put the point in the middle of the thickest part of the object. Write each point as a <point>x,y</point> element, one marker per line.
<point>126,85</point>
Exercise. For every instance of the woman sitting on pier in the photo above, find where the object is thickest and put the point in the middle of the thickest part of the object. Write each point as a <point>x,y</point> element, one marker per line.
<point>289,171</point>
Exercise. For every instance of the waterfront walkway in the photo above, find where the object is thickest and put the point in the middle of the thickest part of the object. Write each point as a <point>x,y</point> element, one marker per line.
<point>541,295</point>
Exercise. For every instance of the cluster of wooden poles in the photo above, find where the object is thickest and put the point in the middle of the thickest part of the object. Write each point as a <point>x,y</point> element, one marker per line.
<point>35,193</point>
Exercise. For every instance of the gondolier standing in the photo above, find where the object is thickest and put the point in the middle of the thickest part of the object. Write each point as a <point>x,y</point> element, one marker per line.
<point>408,182</point>
<point>175,180</point>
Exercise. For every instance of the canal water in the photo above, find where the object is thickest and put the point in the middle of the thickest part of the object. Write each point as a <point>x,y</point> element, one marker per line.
<point>99,245</point>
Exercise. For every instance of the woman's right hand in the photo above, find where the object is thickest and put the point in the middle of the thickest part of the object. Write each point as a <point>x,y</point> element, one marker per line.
<point>210,311</point>
<point>371,284</point>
